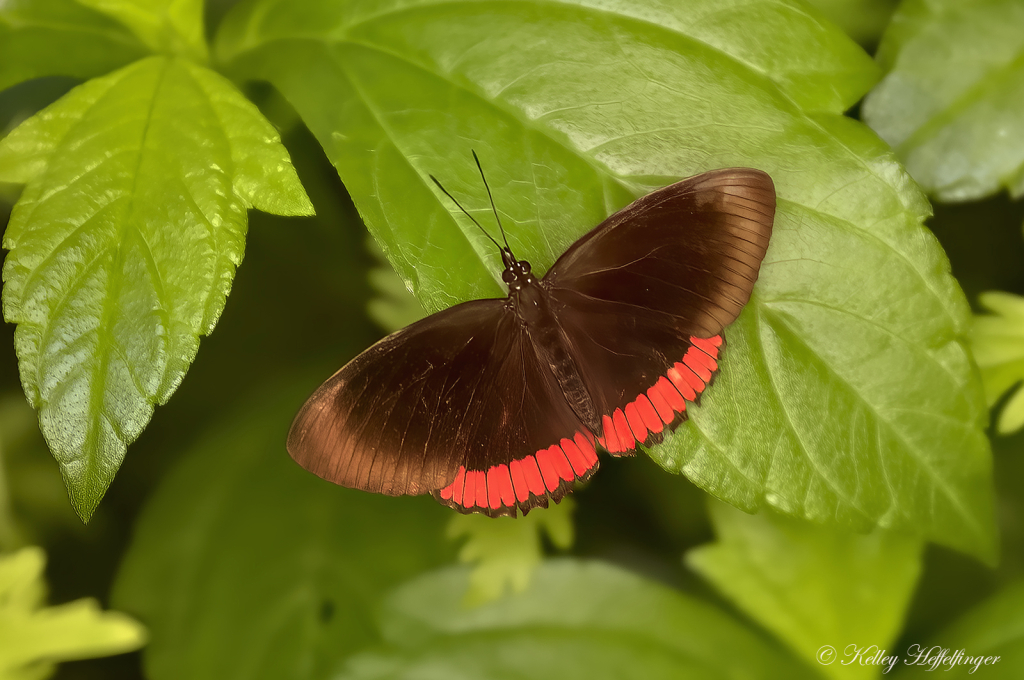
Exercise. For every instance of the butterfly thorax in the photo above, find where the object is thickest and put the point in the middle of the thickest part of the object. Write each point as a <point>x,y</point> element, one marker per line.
<point>533,307</point>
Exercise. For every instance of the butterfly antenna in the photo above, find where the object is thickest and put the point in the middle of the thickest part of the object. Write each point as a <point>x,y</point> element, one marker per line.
<point>439,186</point>
<point>491,199</point>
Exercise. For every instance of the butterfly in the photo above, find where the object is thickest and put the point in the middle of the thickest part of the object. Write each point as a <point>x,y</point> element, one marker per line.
<point>499,405</point>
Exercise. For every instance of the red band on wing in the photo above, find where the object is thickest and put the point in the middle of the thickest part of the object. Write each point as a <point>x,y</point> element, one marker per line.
<point>526,482</point>
<point>662,404</point>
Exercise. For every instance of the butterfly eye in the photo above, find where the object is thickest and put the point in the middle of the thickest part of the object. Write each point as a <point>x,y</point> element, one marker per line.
<point>525,266</point>
<point>508,276</point>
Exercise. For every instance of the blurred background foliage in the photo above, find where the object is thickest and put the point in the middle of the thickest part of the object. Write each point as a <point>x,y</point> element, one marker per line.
<point>270,348</point>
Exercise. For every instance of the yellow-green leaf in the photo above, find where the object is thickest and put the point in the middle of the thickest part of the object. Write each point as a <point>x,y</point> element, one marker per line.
<point>34,637</point>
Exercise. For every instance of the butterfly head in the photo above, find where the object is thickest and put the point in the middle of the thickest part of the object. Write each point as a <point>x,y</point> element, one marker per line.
<point>517,272</point>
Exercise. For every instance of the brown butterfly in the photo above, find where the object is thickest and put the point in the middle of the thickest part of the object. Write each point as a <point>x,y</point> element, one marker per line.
<point>501,404</point>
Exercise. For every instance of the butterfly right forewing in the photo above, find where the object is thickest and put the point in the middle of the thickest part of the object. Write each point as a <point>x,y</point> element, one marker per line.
<point>690,251</point>
<point>642,299</point>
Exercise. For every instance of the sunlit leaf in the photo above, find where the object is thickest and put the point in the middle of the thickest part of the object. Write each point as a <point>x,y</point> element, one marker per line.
<point>123,247</point>
<point>951,102</point>
<point>813,586</point>
<point>846,394</point>
<point>244,563</point>
<point>33,637</point>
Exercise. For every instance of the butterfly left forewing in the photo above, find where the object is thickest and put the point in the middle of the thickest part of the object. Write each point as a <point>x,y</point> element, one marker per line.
<point>458,405</point>
<point>388,421</point>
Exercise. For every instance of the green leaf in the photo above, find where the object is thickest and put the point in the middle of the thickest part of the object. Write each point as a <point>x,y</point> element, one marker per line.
<point>812,586</point>
<point>171,27</point>
<point>123,247</point>
<point>998,343</point>
<point>990,639</point>
<point>838,401</point>
<point>244,564</point>
<point>505,551</point>
<point>862,20</point>
<point>34,637</point>
<point>577,620</point>
<point>951,102</point>
<point>60,37</point>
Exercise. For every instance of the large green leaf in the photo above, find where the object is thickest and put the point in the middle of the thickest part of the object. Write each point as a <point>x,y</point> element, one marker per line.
<point>812,586</point>
<point>123,247</point>
<point>60,37</point>
<point>244,565</point>
<point>578,620</point>
<point>952,100</point>
<point>846,393</point>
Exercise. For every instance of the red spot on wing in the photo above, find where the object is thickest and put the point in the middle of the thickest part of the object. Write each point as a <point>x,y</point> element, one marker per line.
<point>622,431</point>
<point>481,488</point>
<point>647,413</point>
<point>660,403</point>
<point>586,446</point>
<point>454,490</point>
<point>468,499</point>
<point>562,465</point>
<point>547,468</point>
<point>635,422</point>
<point>704,359</point>
<point>576,458</point>
<point>697,366</point>
<point>499,487</point>
<point>608,440</point>
<point>493,489</point>
<point>693,380</point>
<point>680,383</point>
<point>671,395</point>
<point>533,476</point>
<point>519,482</point>
<point>708,345</point>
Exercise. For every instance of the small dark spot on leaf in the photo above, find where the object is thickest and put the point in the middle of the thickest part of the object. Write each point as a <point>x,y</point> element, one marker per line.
<point>326,611</point>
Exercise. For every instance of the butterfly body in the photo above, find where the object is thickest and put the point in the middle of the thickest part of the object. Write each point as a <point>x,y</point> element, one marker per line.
<point>501,404</point>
